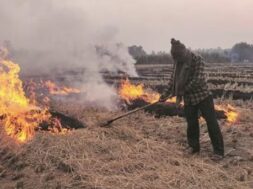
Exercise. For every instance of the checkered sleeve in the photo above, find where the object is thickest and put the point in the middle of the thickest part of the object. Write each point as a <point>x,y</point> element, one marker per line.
<point>171,80</point>
<point>169,89</point>
<point>198,77</point>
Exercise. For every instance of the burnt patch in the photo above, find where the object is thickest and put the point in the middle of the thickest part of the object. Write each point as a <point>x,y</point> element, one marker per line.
<point>166,109</point>
<point>65,121</point>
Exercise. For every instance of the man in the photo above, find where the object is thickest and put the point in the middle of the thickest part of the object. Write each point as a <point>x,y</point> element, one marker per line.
<point>188,83</point>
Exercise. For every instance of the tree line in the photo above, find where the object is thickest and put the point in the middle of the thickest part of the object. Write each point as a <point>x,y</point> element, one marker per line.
<point>240,52</point>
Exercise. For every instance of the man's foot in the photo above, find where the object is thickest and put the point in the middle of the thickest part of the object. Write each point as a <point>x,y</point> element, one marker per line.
<point>217,157</point>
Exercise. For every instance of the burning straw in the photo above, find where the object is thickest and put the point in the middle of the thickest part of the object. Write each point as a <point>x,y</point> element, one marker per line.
<point>131,93</point>
<point>20,115</point>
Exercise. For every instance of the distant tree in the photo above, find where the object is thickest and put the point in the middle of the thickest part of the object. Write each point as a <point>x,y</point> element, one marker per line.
<point>155,58</point>
<point>136,51</point>
<point>217,55</point>
<point>243,51</point>
<point>141,57</point>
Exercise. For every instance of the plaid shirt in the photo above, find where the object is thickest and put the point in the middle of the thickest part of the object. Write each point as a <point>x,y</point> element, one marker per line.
<point>196,88</point>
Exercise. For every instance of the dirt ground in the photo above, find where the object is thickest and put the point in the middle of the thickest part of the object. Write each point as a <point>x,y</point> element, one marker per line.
<point>138,152</point>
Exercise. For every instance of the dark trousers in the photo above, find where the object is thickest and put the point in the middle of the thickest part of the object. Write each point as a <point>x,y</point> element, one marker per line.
<point>207,110</point>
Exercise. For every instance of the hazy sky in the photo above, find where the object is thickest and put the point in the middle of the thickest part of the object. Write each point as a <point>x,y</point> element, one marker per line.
<point>150,23</point>
<point>198,23</point>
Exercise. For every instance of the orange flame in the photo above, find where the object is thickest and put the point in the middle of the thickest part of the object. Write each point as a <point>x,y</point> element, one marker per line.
<point>230,112</point>
<point>173,100</point>
<point>130,92</point>
<point>57,90</point>
<point>20,115</point>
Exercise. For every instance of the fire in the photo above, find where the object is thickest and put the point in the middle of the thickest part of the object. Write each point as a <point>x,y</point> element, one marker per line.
<point>58,90</point>
<point>19,115</point>
<point>173,100</point>
<point>230,111</point>
<point>130,92</point>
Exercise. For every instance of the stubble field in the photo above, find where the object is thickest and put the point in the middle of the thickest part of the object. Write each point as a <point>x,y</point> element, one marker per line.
<point>139,151</point>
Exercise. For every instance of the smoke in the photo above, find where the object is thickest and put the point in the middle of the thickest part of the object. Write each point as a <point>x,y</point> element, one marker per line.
<point>52,36</point>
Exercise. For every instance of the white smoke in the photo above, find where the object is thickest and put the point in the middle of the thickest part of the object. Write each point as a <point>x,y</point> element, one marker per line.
<point>58,35</point>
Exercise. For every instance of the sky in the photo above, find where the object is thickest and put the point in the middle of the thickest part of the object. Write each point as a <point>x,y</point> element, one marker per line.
<point>149,23</point>
<point>197,23</point>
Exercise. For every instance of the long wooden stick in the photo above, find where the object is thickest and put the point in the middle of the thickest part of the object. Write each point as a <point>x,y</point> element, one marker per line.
<point>107,123</point>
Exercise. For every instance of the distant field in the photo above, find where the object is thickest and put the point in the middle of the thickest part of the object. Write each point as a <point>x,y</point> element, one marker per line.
<point>224,79</point>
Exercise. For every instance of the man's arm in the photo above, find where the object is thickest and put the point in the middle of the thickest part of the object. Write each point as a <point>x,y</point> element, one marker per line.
<point>168,91</point>
<point>198,77</point>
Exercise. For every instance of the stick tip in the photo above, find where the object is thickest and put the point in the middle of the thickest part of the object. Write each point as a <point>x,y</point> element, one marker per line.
<point>105,124</point>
